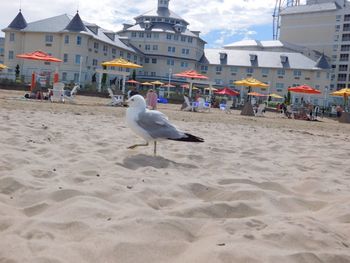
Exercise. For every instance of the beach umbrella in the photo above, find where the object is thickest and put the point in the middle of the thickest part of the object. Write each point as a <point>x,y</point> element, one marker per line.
<point>2,66</point>
<point>157,83</point>
<point>275,96</point>
<point>132,81</point>
<point>191,75</point>
<point>304,89</point>
<point>120,62</point>
<point>256,94</point>
<point>251,82</point>
<point>168,86</point>
<point>227,91</point>
<point>146,84</point>
<point>345,93</point>
<point>40,56</point>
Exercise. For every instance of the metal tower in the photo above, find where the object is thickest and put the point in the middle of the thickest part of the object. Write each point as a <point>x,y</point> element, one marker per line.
<point>279,7</point>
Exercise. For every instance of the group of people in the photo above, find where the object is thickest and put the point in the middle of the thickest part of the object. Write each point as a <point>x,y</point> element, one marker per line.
<point>151,97</point>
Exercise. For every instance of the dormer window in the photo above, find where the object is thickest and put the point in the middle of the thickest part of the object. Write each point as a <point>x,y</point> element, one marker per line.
<point>253,57</point>
<point>284,59</point>
<point>147,25</point>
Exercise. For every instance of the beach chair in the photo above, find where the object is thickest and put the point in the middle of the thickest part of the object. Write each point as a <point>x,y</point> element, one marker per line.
<point>57,92</point>
<point>224,107</point>
<point>117,100</point>
<point>187,105</point>
<point>260,110</point>
<point>71,95</point>
<point>203,105</point>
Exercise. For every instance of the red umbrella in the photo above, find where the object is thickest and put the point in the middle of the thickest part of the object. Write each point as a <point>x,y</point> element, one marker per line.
<point>304,89</point>
<point>41,56</point>
<point>131,81</point>
<point>227,91</point>
<point>192,75</point>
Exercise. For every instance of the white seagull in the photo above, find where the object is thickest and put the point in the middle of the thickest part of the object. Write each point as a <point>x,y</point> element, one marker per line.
<point>153,125</point>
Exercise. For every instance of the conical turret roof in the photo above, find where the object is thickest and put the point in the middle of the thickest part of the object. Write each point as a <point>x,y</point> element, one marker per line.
<point>19,22</point>
<point>322,62</point>
<point>76,24</point>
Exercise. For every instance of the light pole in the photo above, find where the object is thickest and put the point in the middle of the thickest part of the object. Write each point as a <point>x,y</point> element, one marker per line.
<point>170,72</point>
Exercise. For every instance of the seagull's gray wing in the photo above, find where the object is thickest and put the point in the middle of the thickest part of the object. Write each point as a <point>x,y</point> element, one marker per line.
<point>156,124</point>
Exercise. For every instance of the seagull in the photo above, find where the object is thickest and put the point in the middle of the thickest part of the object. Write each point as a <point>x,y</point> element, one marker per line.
<point>153,125</point>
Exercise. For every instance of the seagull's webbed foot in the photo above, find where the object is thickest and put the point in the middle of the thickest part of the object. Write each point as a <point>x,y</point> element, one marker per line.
<point>137,145</point>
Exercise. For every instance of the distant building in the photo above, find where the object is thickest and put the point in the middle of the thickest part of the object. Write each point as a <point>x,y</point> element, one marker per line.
<point>324,26</point>
<point>162,42</point>
<point>2,49</point>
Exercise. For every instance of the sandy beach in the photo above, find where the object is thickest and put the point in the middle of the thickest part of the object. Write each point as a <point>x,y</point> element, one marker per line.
<point>265,189</point>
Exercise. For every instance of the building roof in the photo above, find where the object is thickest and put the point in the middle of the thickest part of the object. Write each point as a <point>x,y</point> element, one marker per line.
<point>255,43</point>
<point>63,23</point>
<point>76,24</point>
<point>331,6</point>
<point>323,63</point>
<point>19,22</point>
<point>264,59</point>
<point>162,12</point>
<point>160,27</point>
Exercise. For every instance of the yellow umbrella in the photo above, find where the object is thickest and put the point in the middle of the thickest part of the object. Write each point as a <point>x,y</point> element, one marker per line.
<point>276,96</point>
<point>342,92</point>
<point>146,84</point>
<point>2,66</point>
<point>251,82</point>
<point>157,83</point>
<point>120,62</point>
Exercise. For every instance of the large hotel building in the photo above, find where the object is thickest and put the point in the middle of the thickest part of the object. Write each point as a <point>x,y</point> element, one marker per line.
<point>163,43</point>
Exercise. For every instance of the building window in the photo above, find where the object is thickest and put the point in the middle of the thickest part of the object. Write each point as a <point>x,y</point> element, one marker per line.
<point>141,34</point>
<point>77,59</point>
<point>96,45</point>
<point>204,68</point>
<point>281,72</point>
<point>147,47</point>
<point>114,51</point>
<point>171,49</point>
<point>346,18</point>
<point>64,76</point>
<point>345,48</point>
<point>133,34</point>
<point>66,39</point>
<point>218,68</point>
<point>318,74</point>
<point>149,35</point>
<point>49,38</point>
<point>342,77</point>
<point>156,35</point>
<point>94,62</point>
<point>121,53</point>
<point>168,36</point>
<point>146,60</point>
<point>155,47</point>
<point>76,77</point>
<point>265,71</point>
<point>12,37</point>
<point>250,70</point>
<point>184,64</point>
<point>343,67</point>
<point>176,37</point>
<point>345,37</point>
<point>297,73</point>
<point>11,54</point>
<point>154,61</point>
<point>128,55</point>
<point>279,87</point>
<point>105,48</point>
<point>65,58</point>
<point>218,82</point>
<point>185,51</point>
<point>234,69</point>
<point>79,40</point>
<point>170,62</point>
<point>183,38</point>
<point>153,74</point>
<point>344,57</point>
<point>190,39</point>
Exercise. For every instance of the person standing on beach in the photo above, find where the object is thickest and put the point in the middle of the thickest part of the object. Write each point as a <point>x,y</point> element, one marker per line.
<point>151,99</point>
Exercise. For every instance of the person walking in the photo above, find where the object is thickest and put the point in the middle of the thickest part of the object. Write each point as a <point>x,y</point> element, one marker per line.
<point>151,99</point>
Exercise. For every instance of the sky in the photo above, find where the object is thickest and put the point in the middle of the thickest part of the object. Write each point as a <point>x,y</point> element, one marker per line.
<point>221,22</point>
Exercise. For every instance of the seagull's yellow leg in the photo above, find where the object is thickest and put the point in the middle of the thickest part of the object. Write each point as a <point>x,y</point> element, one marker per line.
<point>137,145</point>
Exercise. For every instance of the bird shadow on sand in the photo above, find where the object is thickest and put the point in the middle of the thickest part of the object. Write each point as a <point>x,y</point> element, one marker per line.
<point>141,160</point>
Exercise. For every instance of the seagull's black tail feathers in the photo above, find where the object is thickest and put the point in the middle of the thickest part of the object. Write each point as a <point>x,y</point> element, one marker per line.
<point>189,138</point>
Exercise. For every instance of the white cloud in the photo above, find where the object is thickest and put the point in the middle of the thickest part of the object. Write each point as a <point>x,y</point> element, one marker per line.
<point>230,16</point>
